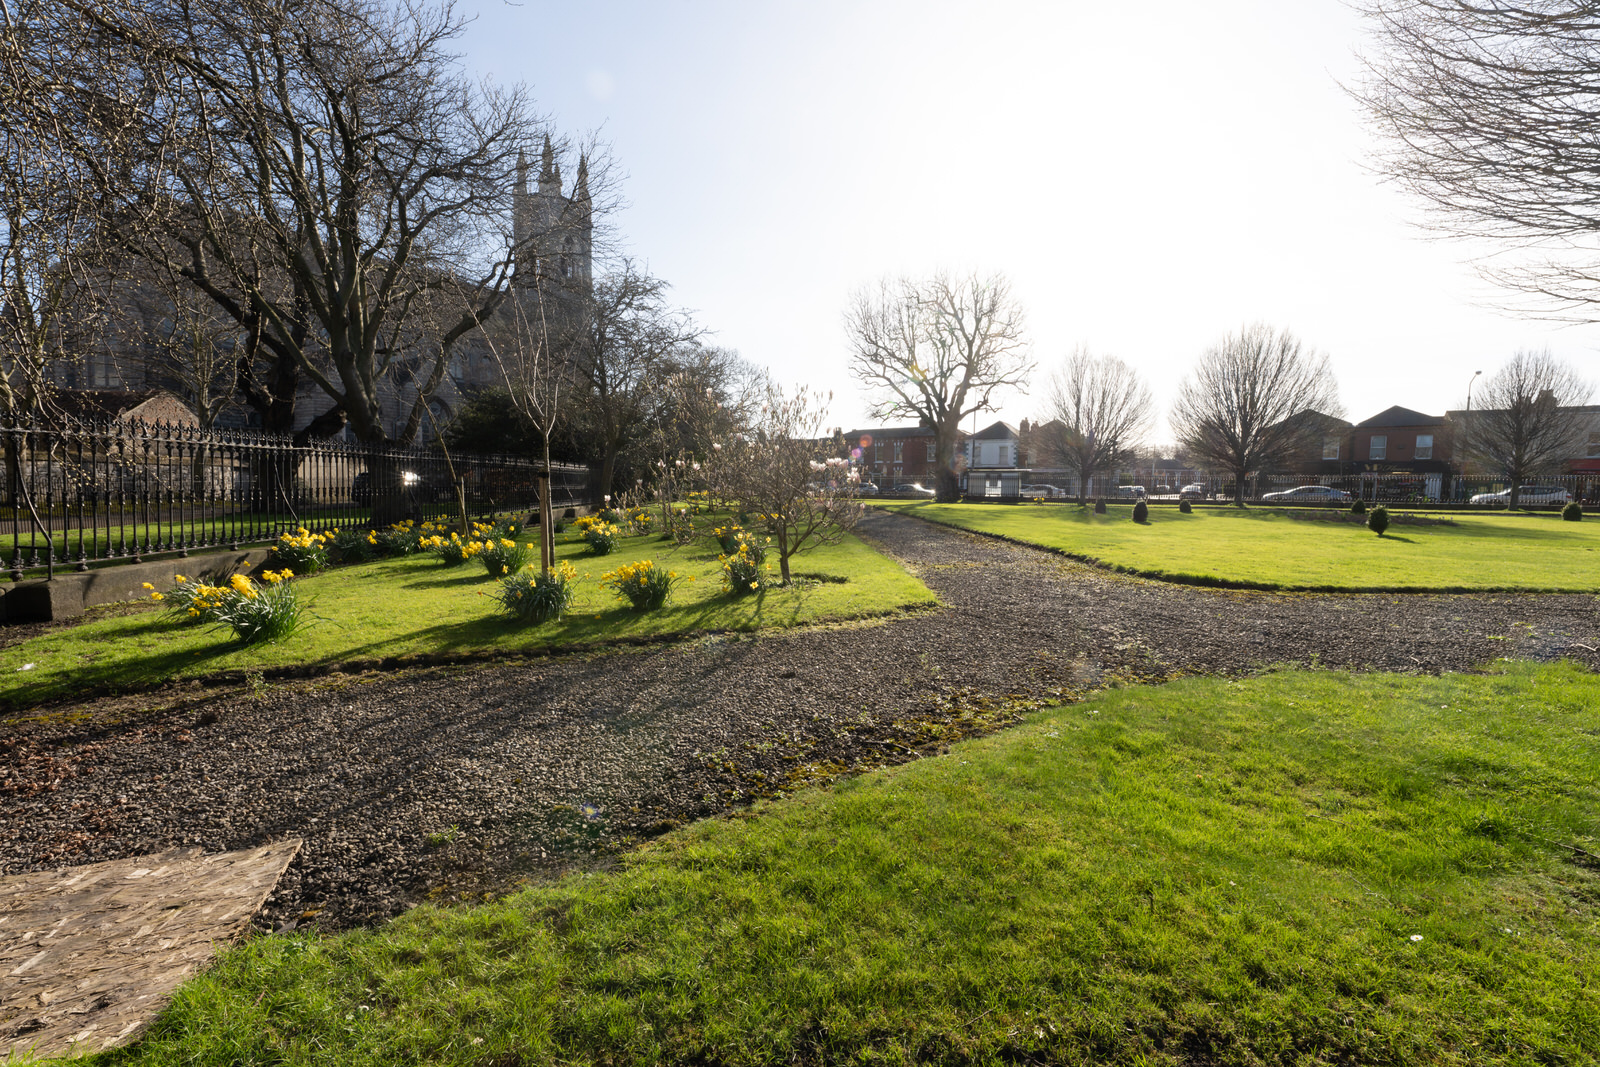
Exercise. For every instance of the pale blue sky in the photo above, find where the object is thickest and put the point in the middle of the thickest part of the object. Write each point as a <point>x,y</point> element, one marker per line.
<point>1148,181</point>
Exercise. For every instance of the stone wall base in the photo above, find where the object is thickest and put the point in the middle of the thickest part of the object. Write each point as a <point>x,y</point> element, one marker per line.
<point>66,595</point>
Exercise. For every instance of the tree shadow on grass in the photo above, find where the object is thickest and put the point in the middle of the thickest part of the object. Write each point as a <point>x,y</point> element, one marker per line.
<point>499,633</point>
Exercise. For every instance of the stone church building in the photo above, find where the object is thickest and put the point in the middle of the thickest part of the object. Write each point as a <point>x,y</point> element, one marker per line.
<point>144,345</point>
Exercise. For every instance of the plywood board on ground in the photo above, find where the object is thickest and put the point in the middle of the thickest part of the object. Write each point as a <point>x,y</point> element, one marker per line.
<point>89,955</point>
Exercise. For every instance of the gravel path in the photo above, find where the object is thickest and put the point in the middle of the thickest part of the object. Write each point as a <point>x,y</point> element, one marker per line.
<point>449,783</point>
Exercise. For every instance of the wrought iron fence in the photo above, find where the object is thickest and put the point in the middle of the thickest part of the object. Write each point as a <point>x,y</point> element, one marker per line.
<point>84,491</point>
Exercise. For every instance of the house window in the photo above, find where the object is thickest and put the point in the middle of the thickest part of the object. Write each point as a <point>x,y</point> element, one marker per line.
<point>1330,448</point>
<point>1379,447</point>
<point>898,446</point>
<point>1594,446</point>
<point>1424,446</point>
<point>932,451</point>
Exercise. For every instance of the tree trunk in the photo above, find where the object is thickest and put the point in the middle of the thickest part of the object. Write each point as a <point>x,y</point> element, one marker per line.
<point>547,524</point>
<point>391,497</point>
<point>949,485</point>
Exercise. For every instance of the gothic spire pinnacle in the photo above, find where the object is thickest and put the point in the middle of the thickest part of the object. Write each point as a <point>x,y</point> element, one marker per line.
<point>581,193</point>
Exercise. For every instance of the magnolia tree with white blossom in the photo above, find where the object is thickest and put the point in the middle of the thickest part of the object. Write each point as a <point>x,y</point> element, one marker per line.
<point>778,470</point>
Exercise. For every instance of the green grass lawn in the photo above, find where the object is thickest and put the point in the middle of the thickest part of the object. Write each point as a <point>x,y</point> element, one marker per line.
<point>1298,868</point>
<point>415,607</point>
<point>1265,549</point>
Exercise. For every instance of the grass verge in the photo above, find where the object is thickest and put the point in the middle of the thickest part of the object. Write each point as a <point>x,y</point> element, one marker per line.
<point>414,609</point>
<point>1267,549</point>
<point>1298,868</point>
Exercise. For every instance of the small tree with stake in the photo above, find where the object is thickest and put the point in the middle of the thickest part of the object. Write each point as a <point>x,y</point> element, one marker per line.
<point>519,341</point>
<point>774,470</point>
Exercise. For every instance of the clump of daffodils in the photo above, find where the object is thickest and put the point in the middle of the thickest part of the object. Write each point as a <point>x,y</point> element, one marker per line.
<point>452,550</point>
<point>533,597</point>
<point>599,535</point>
<point>268,611</point>
<point>642,584</point>
<point>503,556</point>
<point>745,566</point>
<point>302,551</point>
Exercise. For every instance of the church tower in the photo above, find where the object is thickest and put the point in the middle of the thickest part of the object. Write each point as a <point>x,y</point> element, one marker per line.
<point>554,234</point>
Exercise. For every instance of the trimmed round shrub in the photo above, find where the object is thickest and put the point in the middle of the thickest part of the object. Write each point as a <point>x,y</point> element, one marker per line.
<point>1359,507</point>
<point>1573,512</point>
<point>1378,520</point>
<point>1141,511</point>
<point>1099,507</point>
<point>1185,507</point>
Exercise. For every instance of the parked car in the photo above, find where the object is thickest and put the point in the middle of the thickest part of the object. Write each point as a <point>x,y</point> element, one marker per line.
<point>1308,494</point>
<point>1131,491</point>
<point>867,489</point>
<point>1192,491</point>
<point>1047,492</point>
<point>410,481</point>
<point>1527,495</point>
<point>914,489</point>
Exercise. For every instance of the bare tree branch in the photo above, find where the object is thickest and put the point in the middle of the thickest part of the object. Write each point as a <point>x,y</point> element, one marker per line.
<point>936,351</point>
<point>1528,420</point>
<point>1238,409</point>
<point>1099,410</point>
<point>1487,111</point>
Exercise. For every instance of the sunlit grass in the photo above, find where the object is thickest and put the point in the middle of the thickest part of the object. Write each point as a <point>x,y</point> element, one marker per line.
<point>1263,548</point>
<point>415,608</point>
<point>1300,868</point>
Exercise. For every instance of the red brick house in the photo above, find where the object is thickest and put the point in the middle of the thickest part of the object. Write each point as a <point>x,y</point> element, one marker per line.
<point>890,455</point>
<point>1399,440</point>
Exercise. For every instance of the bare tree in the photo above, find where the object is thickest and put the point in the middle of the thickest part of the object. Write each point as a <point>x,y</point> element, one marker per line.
<point>519,342</point>
<point>1237,410</point>
<point>1098,411</point>
<point>776,470</point>
<point>706,393</point>
<point>621,343</point>
<point>936,351</point>
<point>51,272</point>
<point>1527,420</point>
<point>326,174</point>
<point>1487,113</point>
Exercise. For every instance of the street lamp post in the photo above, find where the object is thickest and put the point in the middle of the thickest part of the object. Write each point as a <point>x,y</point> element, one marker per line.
<point>1466,420</point>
